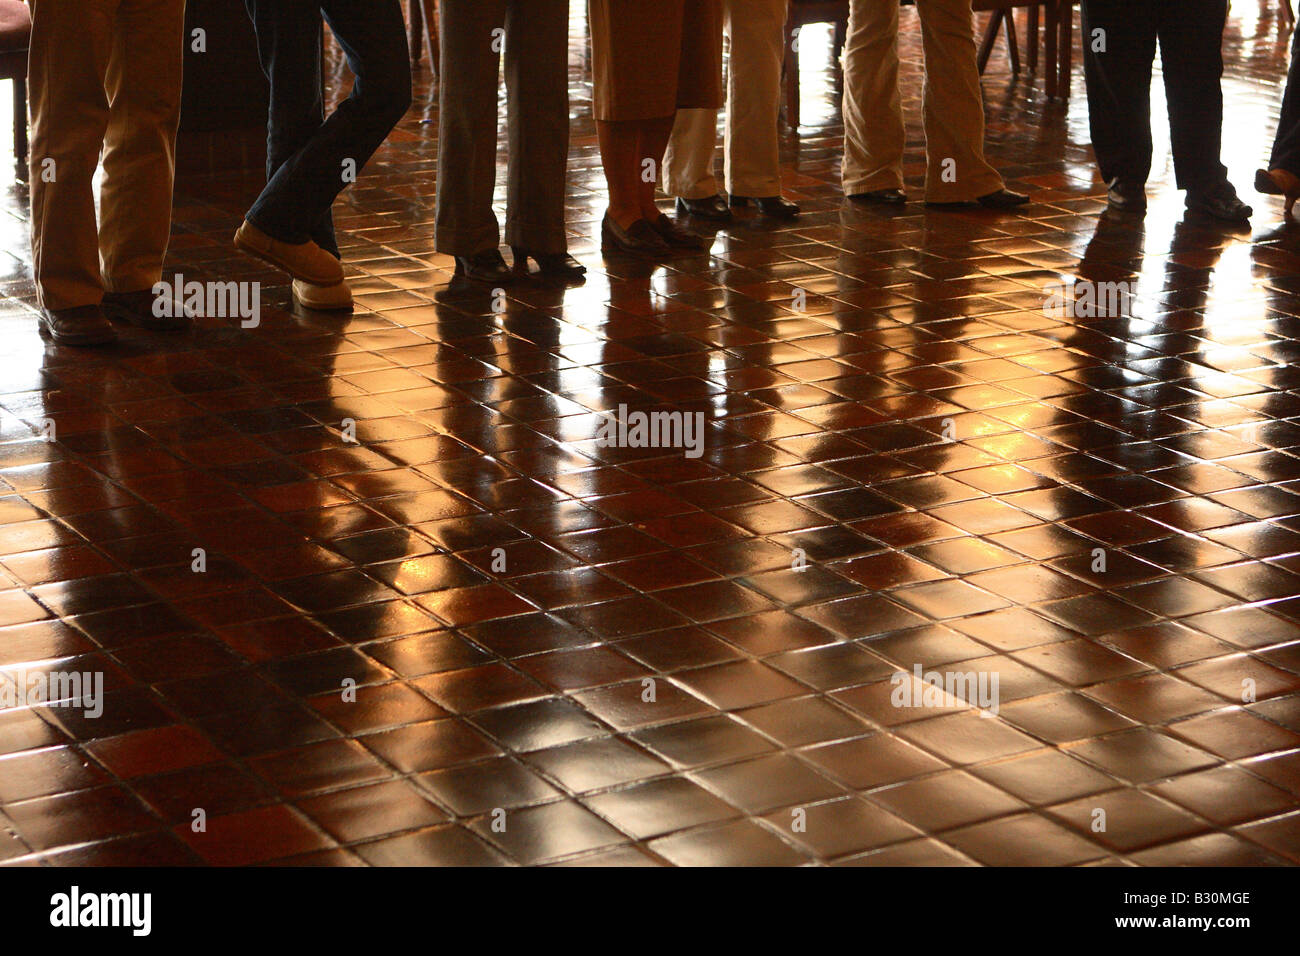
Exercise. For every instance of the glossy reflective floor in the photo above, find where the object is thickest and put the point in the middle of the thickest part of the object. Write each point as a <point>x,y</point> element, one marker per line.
<point>476,635</point>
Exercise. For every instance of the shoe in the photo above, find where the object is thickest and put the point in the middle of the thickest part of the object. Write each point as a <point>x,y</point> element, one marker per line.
<point>550,265</point>
<point>302,260</point>
<point>881,197</point>
<point>1220,202</point>
<point>678,236</point>
<point>712,208</point>
<point>142,309</point>
<point>323,298</point>
<point>774,207</point>
<point>638,239</point>
<point>486,266</point>
<point>85,325</point>
<point>1279,182</point>
<point>1126,196</point>
<point>1003,199</point>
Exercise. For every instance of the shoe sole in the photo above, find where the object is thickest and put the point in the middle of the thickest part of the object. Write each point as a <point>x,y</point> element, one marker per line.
<point>74,341</point>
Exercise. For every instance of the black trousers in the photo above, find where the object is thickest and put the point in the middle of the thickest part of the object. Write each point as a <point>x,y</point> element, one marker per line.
<point>1286,147</point>
<point>1120,39</point>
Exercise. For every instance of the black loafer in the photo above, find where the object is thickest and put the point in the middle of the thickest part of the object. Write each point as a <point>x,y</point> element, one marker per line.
<point>1126,196</point>
<point>881,197</point>
<point>712,208</point>
<point>678,236</point>
<point>82,326</point>
<point>638,239</point>
<point>774,207</point>
<point>486,266</point>
<point>1003,199</point>
<point>1219,202</point>
<point>550,265</point>
<point>142,309</point>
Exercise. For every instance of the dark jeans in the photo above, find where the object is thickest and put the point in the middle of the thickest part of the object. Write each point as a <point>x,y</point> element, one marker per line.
<point>1190,35</point>
<point>1286,147</point>
<point>308,156</point>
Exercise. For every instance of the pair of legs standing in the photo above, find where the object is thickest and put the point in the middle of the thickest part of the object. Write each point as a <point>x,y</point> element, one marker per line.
<point>311,158</point>
<point>104,76</point>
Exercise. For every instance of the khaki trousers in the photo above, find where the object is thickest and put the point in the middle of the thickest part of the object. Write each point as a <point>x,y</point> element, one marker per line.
<point>537,90</point>
<point>874,135</point>
<point>756,29</point>
<point>104,77</point>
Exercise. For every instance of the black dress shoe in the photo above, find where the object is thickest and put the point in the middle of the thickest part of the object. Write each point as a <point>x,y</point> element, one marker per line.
<point>550,265</point>
<point>1003,199</point>
<point>1126,196</point>
<point>142,309</point>
<point>638,239</point>
<point>774,207</point>
<point>678,236</point>
<point>1220,201</point>
<point>486,266</point>
<point>713,208</point>
<point>86,325</point>
<point>881,197</point>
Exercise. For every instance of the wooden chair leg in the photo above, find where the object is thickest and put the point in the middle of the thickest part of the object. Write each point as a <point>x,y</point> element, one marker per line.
<point>1013,44</point>
<point>1031,38</point>
<point>990,38</point>
<point>1051,37</point>
<point>430,14</point>
<point>791,79</point>
<point>1067,47</point>
<point>415,40</point>
<point>20,120</point>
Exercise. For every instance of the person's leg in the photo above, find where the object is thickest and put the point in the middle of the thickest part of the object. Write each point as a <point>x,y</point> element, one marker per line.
<point>1191,40</point>
<point>620,155</point>
<point>753,142</point>
<point>874,136</point>
<point>465,224</point>
<point>1286,145</point>
<point>956,170</point>
<point>537,80</point>
<point>654,136</point>
<point>1119,42</point>
<point>289,34</point>
<point>144,87</point>
<point>71,45</point>
<point>688,160</point>
<point>372,34</point>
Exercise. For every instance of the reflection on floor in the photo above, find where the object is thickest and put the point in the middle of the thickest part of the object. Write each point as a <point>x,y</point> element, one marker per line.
<point>474,634</point>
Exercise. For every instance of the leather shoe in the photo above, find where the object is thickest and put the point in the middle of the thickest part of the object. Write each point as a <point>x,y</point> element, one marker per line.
<point>774,207</point>
<point>85,325</point>
<point>1219,202</point>
<point>141,309</point>
<point>678,236</point>
<point>1003,199</point>
<point>712,208</point>
<point>486,266</point>
<point>550,265</point>
<point>881,197</point>
<point>1126,196</point>
<point>302,260</point>
<point>638,239</point>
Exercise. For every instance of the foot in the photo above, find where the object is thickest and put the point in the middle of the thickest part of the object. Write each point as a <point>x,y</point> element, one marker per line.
<point>712,208</point>
<point>678,236</point>
<point>1003,199</point>
<point>552,265</point>
<point>486,266</point>
<point>1124,195</point>
<point>881,197</point>
<point>147,311</point>
<point>774,207</point>
<point>323,298</point>
<point>1219,201</point>
<point>1279,182</point>
<point>638,239</point>
<point>302,260</point>
<point>86,325</point>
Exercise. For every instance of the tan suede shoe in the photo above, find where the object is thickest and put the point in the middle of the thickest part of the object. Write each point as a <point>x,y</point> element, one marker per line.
<point>302,260</point>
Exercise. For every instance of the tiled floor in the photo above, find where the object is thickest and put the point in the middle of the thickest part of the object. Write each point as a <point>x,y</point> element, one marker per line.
<point>1103,513</point>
